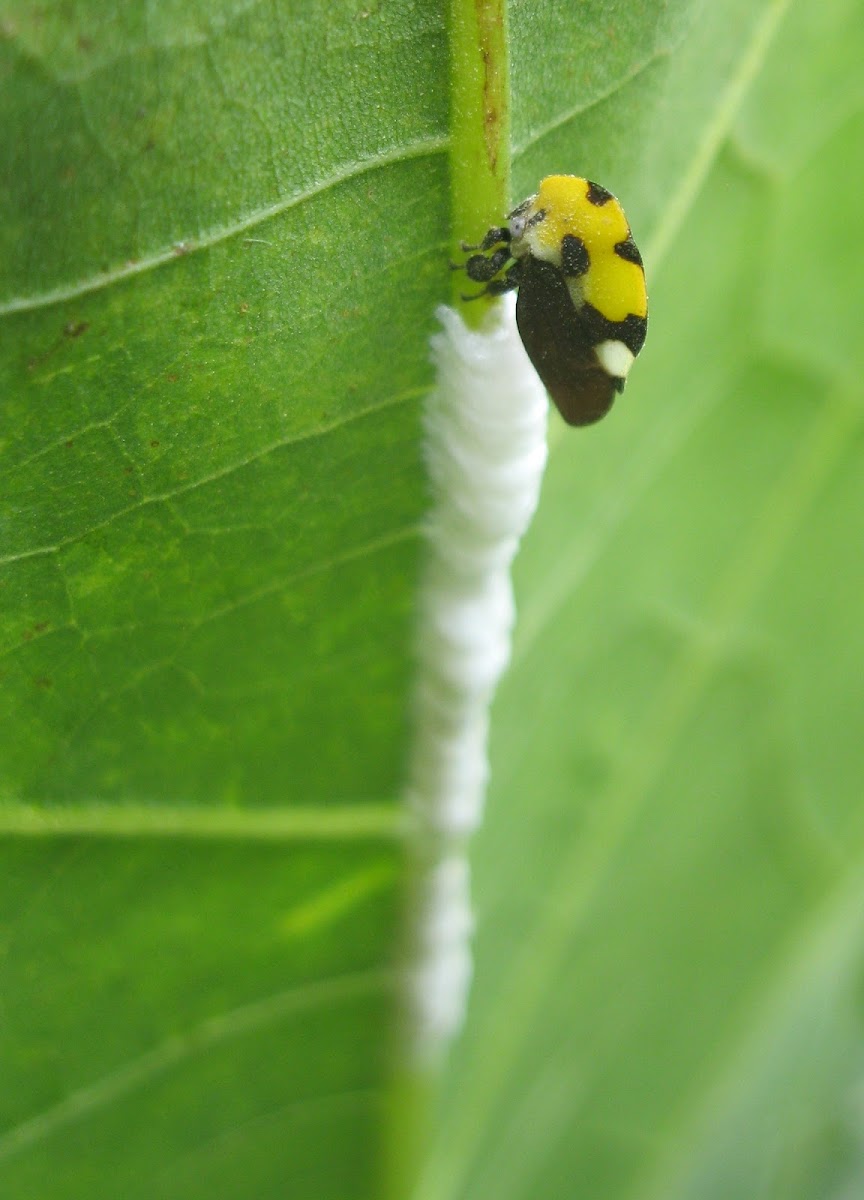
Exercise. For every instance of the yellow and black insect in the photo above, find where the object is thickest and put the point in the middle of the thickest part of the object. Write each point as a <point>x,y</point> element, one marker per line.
<point>582,307</point>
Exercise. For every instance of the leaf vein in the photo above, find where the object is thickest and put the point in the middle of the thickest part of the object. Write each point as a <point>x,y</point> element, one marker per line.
<point>423,148</point>
<point>137,1073</point>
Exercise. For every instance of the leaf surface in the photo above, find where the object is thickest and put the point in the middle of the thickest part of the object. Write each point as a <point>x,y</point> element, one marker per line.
<point>221,247</point>
<point>223,237</point>
<point>669,882</point>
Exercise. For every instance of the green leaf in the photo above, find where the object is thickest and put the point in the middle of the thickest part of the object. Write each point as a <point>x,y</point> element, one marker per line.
<point>224,231</point>
<point>669,883</point>
<point>222,241</point>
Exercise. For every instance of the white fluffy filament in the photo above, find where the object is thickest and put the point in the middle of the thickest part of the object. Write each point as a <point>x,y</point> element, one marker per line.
<point>485,426</point>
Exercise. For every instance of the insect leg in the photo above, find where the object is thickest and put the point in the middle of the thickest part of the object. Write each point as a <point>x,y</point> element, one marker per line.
<point>481,268</point>
<point>497,287</point>
<point>493,237</point>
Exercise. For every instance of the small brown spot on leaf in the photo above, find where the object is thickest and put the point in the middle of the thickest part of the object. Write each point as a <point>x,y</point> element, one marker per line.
<point>171,377</point>
<point>244,308</point>
<point>153,444</point>
<point>43,682</point>
<point>74,329</point>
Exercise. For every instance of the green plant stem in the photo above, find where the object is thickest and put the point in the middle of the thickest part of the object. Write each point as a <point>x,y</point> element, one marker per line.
<point>479,128</point>
<point>480,193</point>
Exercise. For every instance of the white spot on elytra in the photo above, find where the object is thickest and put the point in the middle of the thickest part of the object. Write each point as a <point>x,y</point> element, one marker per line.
<point>615,358</point>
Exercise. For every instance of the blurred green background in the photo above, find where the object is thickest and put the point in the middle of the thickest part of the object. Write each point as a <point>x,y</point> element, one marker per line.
<point>223,232</point>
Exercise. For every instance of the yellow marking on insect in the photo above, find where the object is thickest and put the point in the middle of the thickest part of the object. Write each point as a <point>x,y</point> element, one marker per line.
<point>615,286</point>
